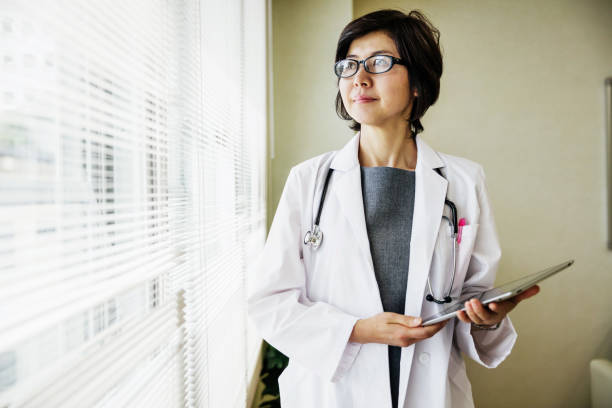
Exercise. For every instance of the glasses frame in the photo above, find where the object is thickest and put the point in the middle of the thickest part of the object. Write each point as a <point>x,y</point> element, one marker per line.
<point>394,61</point>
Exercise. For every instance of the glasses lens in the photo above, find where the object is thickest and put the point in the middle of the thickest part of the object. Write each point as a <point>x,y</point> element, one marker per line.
<point>346,68</point>
<point>378,64</point>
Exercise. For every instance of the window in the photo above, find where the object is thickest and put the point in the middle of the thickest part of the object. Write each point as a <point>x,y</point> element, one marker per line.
<point>132,197</point>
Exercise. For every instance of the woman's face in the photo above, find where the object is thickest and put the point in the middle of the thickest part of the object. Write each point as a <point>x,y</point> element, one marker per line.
<point>392,102</point>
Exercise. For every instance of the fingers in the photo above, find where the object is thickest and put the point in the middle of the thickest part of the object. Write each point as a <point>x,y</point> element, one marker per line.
<point>434,328</point>
<point>478,313</point>
<point>502,308</point>
<point>405,336</point>
<point>461,315</point>
<point>506,306</point>
<point>532,291</point>
<point>427,331</point>
<point>442,324</point>
<point>408,321</point>
<point>414,321</point>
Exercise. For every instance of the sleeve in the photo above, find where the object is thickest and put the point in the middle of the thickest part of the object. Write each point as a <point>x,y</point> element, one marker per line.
<point>315,334</point>
<point>487,347</point>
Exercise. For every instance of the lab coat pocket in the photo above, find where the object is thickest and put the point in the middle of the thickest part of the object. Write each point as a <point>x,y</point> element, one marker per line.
<point>441,269</point>
<point>442,261</point>
<point>464,253</point>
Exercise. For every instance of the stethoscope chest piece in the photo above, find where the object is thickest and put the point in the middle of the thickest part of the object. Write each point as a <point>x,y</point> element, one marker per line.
<point>313,239</point>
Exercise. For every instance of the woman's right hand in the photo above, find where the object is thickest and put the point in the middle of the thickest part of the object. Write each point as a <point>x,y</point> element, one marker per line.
<point>393,329</point>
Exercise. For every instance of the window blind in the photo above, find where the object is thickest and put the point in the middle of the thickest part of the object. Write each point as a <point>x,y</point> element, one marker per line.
<point>132,197</point>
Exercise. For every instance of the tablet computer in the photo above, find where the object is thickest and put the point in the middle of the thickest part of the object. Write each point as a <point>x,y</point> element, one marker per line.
<point>497,294</point>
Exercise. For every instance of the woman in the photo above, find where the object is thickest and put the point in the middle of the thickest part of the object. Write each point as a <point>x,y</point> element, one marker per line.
<point>345,307</point>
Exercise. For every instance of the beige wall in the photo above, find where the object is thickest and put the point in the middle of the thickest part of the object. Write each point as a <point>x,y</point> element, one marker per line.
<point>522,93</point>
<point>305,123</point>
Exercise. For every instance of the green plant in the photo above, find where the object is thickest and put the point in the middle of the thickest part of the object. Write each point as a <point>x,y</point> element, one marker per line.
<point>267,393</point>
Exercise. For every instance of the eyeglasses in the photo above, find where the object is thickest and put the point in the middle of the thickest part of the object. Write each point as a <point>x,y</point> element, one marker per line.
<point>376,64</point>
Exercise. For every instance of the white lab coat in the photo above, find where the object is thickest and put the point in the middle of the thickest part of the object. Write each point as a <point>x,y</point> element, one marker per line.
<point>306,302</point>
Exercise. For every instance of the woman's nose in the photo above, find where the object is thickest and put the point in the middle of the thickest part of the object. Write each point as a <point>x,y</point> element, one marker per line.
<point>361,77</point>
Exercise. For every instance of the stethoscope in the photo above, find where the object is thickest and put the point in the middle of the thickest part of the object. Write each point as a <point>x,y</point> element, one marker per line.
<point>314,238</point>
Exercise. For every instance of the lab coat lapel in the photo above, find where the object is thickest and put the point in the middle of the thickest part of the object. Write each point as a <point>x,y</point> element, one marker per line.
<point>348,192</point>
<point>430,193</point>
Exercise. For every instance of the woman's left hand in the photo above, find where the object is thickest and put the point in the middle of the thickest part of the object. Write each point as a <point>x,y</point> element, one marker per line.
<point>477,313</point>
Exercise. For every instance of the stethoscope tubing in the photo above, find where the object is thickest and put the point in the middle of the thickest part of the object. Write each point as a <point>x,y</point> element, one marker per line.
<point>314,237</point>
<point>447,299</point>
<point>329,173</point>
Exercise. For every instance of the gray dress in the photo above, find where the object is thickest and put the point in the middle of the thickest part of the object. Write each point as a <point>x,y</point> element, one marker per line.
<point>388,200</point>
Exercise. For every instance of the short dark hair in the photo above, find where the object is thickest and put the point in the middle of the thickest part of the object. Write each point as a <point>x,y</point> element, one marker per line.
<point>418,44</point>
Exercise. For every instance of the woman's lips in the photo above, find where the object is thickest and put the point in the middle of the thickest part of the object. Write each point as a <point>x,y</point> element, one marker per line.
<point>364,100</point>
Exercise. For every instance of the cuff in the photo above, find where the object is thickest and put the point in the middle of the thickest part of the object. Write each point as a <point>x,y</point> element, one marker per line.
<point>487,347</point>
<point>348,355</point>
